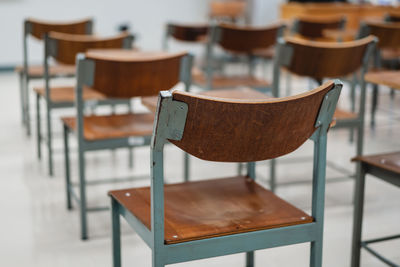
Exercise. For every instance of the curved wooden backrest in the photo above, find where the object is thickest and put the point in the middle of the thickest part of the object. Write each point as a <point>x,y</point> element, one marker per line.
<point>67,46</point>
<point>231,9</point>
<point>38,28</point>
<point>225,130</point>
<point>246,39</point>
<point>313,27</point>
<point>324,60</point>
<point>188,33</point>
<point>387,33</point>
<point>127,74</point>
<point>393,16</point>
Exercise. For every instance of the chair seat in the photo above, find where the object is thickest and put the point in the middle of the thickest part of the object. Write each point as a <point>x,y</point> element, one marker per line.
<point>67,94</point>
<point>212,208</point>
<point>268,53</point>
<point>389,161</point>
<point>37,71</point>
<point>390,78</point>
<point>390,54</point>
<point>219,81</point>
<point>113,126</point>
<point>341,114</point>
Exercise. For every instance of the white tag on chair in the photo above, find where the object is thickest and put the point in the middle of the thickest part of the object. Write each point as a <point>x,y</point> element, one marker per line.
<point>136,140</point>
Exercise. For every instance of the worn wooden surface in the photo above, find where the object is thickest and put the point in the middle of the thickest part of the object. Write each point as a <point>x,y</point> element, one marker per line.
<point>67,94</point>
<point>210,208</point>
<point>389,161</point>
<point>248,130</point>
<point>54,70</point>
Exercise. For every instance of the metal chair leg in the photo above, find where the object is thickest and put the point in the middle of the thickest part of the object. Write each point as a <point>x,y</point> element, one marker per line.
<point>156,261</point>
<point>272,177</point>
<point>358,216</point>
<point>67,168</point>
<point>116,233</point>
<point>316,253</point>
<point>22,97</point>
<point>49,140</point>
<point>82,190</point>
<point>375,91</point>
<point>38,128</point>
<point>27,107</point>
<point>130,157</point>
<point>250,259</point>
<point>186,167</point>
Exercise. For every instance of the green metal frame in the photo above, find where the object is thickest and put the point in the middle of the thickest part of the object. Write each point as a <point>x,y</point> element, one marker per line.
<point>169,125</point>
<point>284,54</point>
<point>25,77</point>
<point>51,49</point>
<point>85,76</point>
<point>357,243</point>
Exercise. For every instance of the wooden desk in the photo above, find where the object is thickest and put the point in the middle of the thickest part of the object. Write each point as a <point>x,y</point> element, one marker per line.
<point>353,13</point>
<point>244,94</point>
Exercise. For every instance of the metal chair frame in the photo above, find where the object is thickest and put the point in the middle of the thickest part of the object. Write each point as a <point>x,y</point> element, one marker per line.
<point>174,112</point>
<point>387,176</point>
<point>85,77</point>
<point>283,57</point>
<point>24,76</point>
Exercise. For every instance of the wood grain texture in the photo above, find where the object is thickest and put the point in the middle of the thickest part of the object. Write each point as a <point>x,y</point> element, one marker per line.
<point>389,161</point>
<point>228,9</point>
<point>320,60</point>
<point>246,39</point>
<point>387,33</point>
<point>390,78</point>
<point>69,45</point>
<point>127,74</point>
<point>67,94</point>
<point>113,126</point>
<point>189,32</point>
<point>39,28</point>
<point>313,26</point>
<point>248,130</point>
<point>37,71</point>
<point>204,209</point>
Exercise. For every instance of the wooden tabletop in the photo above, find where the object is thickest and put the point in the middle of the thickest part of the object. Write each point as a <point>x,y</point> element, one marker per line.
<point>243,93</point>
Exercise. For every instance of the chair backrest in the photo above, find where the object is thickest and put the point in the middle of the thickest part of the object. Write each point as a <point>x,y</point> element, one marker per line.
<point>228,130</point>
<point>228,9</point>
<point>245,39</point>
<point>320,60</point>
<point>187,32</point>
<point>387,33</point>
<point>127,74</point>
<point>393,16</point>
<point>64,47</point>
<point>313,26</point>
<point>38,28</point>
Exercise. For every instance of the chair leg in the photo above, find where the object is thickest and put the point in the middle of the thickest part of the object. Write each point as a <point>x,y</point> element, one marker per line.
<point>49,140</point>
<point>38,128</point>
<point>316,253</point>
<point>67,168</point>
<point>116,233</point>
<point>375,91</point>
<point>186,167</point>
<point>358,217</point>
<point>239,169</point>
<point>250,259</point>
<point>27,107</point>
<point>272,178</point>
<point>130,157</point>
<point>82,189</point>
<point>157,261</point>
<point>22,96</point>
<point>353,85</point>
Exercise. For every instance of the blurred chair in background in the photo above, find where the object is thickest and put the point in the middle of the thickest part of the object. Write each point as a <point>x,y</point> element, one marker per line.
<point>231,11</point>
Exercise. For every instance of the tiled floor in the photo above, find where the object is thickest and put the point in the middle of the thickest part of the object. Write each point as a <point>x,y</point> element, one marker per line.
<point>37,230</point>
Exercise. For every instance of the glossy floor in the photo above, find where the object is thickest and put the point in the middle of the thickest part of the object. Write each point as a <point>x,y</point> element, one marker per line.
<point>37,230</point>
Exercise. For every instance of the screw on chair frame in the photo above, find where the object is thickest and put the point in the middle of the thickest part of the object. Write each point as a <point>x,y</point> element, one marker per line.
<point>86,76</point>
<point>38,29</point>
<point>53,43</point>
<point>284,57</point>
<point>170,125</point>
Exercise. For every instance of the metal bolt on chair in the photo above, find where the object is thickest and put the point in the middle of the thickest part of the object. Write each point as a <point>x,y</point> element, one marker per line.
<point>185,221</point>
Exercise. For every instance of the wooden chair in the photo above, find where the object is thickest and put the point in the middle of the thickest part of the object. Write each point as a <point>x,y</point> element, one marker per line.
<point>228,10</point>
<point>37,29</point>
<point>387,168</point>
<point>190,33</point>
<point>313,27</point>
<point>243,41</point>
<point>388,50</point>
<point>209,218</point>
<point>319,60</point>
<point>393,16</point>
<point>63,48</point>
<point>124,75</point>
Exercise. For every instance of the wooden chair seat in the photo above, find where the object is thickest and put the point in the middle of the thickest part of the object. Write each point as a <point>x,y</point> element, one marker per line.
<point>113,126</point>
<point>389,161</point>
<point>268,53</point>
<point>37,71</point>
<point>390,78</point>
<point>341,114</point>
<point>220,81</point>
<point>67,94</point>
<point>390,54</point>
<point>211,208</point>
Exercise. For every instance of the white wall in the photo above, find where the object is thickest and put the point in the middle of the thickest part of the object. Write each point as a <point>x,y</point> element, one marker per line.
<point>147,18</point>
